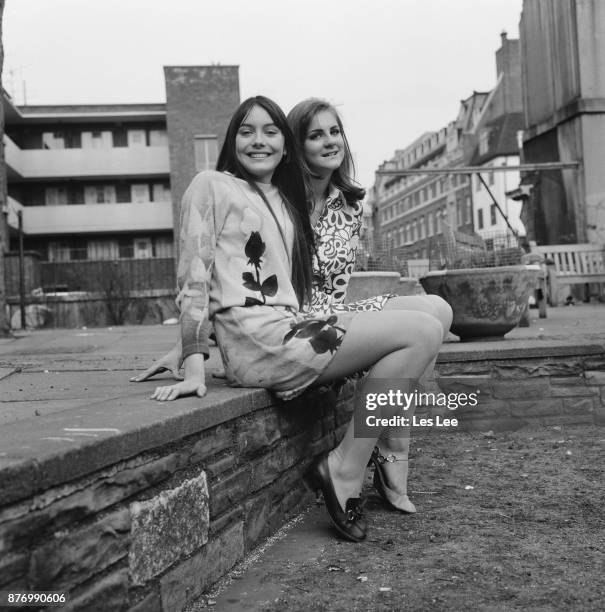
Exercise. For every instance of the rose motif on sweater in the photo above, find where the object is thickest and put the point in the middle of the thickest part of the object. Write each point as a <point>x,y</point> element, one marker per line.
<point>254,250</point>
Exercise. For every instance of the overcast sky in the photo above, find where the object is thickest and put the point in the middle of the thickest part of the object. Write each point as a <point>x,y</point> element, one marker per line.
<point>394,68</point>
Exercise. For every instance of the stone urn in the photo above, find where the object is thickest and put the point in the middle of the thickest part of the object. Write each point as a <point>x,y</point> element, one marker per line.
<point>368,284</point>
<point>487,302</point>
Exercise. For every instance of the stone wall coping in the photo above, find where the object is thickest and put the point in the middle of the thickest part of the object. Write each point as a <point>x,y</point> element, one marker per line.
<point>515,349</point>
<point>46,451</point>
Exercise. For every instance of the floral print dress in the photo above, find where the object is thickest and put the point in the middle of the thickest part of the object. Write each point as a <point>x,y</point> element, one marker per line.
<point>336,239</point>
<point>235,270</point>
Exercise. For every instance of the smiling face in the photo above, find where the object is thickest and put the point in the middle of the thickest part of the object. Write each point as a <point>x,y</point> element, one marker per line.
<point>259,144</point>
<point>324,146</point>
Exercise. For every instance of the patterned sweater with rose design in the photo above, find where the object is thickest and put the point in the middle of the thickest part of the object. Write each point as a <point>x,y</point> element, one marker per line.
<point>227,236</point>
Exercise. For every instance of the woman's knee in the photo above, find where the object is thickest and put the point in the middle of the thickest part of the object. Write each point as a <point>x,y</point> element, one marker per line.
<point>428,332</point>
<point>443,311</point>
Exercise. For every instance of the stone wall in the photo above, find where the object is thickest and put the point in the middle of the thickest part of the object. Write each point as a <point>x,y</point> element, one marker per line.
<point>153,531</point>
<point>531,386</point>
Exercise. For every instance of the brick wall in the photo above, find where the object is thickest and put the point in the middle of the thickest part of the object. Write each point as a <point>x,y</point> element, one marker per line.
<point>199,101</point>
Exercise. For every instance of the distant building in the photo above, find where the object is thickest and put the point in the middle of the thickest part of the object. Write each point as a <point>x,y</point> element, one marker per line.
<point>563,51</point>
<point>411,209</point>
<point>495,141</point>
<point>105,181</point>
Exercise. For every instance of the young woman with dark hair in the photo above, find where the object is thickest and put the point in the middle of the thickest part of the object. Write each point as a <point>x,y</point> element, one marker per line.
<point>240,227</point>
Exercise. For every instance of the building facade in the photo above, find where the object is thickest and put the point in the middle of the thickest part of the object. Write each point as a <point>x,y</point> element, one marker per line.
<point>104,182</point>
<point>496,142</point>
<point>411,209</point>
<point>563,46</point>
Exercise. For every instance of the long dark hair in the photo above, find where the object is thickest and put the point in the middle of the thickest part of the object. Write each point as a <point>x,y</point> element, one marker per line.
<point>299,119</point>
<point>289,180</point>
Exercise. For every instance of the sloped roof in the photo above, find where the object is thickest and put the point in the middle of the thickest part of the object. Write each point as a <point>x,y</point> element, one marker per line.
<point>502,138</point>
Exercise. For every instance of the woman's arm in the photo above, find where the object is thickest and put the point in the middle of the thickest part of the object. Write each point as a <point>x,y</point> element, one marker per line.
<point>197,249</point>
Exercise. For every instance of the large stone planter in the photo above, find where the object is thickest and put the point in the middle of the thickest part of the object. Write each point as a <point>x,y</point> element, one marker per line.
<point>487,302</point>
<point>368,284</point>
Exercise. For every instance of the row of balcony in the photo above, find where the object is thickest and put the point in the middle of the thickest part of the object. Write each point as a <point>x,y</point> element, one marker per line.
<point>91,218</point>
<point>85,163</point>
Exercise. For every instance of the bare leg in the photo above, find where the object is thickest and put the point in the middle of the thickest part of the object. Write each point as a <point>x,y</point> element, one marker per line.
<point>396,441</point>
<point>396,345</point>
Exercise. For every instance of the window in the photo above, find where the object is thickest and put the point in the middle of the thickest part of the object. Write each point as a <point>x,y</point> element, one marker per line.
<point>97,140</point>
<point>122,192</point>
<point>67,250</point>
<point>160,192</point>
<point>492,214</point>
<point>483,142</point>
<point>125,248</point>
<point>139,193</point>
<point>142,248</point>
<point>477,183</point>
<point>120,137</point>
<point>58,251</point>
<point>480,218</point>
<point>99,194</point>
<point>137,138</point>
<point>75,194</point>
<point>53,140</point>
<point>206,152</point>
<point>158,138</point>
<point>163,246</point>
<point>55,196</point>
<point>102,250</point>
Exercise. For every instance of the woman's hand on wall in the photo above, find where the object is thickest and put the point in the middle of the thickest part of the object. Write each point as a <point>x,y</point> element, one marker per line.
<point>186,387</point>
<point>194,383</point>
<point>170,362</point>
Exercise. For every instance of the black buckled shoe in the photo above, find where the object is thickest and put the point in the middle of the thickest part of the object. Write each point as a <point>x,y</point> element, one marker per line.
<point>350,523</point>
<point>394,500</point>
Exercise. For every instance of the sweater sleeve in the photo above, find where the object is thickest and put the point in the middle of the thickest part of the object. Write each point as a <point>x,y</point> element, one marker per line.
<point>196,260</point>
